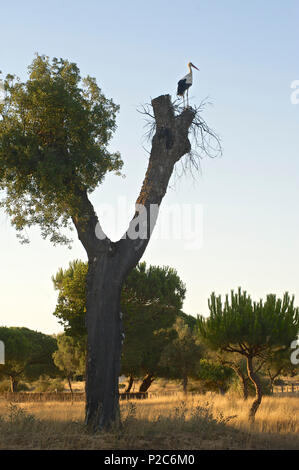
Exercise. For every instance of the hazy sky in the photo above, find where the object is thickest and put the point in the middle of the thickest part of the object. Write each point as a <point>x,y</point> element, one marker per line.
<point>247,53</point>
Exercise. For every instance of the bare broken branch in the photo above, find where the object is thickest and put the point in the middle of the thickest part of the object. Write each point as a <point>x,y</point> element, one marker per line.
<point>204,140</point>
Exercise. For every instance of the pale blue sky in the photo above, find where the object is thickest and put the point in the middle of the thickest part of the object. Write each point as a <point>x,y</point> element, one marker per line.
<point>247,53</point>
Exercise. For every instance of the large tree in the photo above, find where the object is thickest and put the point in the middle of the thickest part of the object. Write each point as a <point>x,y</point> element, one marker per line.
<point>54,133</point>
<point>183,353</point>
<point>157,286</point>
<point>151,299</point>
<point>252,329</point>
<point>146,337</point>
<point>28,354</point>
<point>71,303</point>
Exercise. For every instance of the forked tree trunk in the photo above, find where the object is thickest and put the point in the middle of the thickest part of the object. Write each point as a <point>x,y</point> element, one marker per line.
<point>146,383</point>
<point>273,377</point>
<point>110,262</point>
<point>258,389</point>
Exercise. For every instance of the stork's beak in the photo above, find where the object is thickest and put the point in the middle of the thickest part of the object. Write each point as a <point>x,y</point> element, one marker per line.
<point>194,67</point>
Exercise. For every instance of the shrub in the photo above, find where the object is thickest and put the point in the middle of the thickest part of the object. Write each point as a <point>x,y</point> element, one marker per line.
<point>5,386</point>
<point>19,418</point>
<point>46,384</point>
<point>235,387</point>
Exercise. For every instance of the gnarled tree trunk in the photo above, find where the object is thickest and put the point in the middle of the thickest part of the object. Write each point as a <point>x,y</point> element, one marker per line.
<point>110,263</point>
<point>244,384</point>
<point>146,383</point>
<point>258,389</point>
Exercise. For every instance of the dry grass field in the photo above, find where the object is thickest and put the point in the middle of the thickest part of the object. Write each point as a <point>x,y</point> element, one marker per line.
<point>206,421</point>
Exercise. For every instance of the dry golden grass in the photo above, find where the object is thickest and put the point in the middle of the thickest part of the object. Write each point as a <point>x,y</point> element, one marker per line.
<point>206,421</point>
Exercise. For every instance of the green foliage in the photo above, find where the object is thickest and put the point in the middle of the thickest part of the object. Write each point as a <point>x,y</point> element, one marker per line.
<point>183,353</point>
<point>188,320</point>
<point>28,354</point>
<point>19,419</point>
<point>277,363</point>
<point>42,349</point>
<point>17,350</point>
<point>154,285</point>
<point>54,133</point>
<point>5,386</point>
<point>235,388</point>
<point>69,357</point>
<point>71,304</point>
<point>146,328</point>
<point>214,376</point>
<point>48,384</point>
<point>250,328</point>
<point>151,299</point>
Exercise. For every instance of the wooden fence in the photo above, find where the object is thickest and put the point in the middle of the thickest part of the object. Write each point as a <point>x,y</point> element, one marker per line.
<point>23,397</point>
<point>172,394</point>
<point>290,389</point>
<point>133,395</point>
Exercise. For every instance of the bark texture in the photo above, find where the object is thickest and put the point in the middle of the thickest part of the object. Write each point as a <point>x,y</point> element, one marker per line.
<point>253,376</point>
<point>110,262</point>
<point>146,383</point>
<point>243,380</point>
<point>244,384</point>
<point>130,384</point>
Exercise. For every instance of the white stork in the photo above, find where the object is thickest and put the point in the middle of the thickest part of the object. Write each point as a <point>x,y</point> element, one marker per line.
<point>185,83</point>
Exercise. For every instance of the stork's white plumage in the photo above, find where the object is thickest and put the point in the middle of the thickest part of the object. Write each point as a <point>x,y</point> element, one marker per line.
<point>185,83</point>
